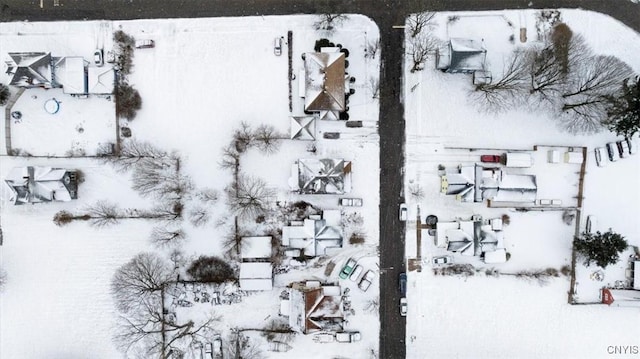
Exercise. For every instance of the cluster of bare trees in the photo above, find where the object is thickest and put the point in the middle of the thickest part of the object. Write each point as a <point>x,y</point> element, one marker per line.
<point>564,75</point>
<point>421,42</point>
<point>145,327</point>
<point>328,22</point>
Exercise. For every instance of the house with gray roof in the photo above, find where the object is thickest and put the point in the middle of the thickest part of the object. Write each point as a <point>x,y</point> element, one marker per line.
<point>461,56</point>
<point>42,184</point>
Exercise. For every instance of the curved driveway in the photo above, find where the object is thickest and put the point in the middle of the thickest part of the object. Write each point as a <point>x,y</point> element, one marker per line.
<point>385,13</point>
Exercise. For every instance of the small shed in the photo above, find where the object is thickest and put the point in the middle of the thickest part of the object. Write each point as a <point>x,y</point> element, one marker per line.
<point>573,157</point>
<point>522,160</point>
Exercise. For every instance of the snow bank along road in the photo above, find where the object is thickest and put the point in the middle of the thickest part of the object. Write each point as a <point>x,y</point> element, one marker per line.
<point>386,13</point>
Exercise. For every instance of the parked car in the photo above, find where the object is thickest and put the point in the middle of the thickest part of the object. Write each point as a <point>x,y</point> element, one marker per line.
<point>145,44</point>
<point>348,337</point>
<point>592,224</point>
<point>356,273</point>
<point>403,212</point>
<point>348,268</point>
<point>633,148</point>
<point>331,135</point>
<point>612,151</point>
<point>442,260</point>
<point>111,56</point>
<point>403,307</point>
<point>351,202</point>
<point>402,284</point>
<point>98,58</point>
<point>277,46</point>
<point>623,148</point>
<point>217,347</point>
<point>366,281</point>
<point>490,158</point>
<point>601,156</point>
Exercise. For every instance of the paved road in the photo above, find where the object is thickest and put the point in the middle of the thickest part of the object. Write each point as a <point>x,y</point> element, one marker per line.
<point>386,13</point>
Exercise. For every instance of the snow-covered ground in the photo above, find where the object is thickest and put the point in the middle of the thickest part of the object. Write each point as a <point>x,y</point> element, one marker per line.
<point>486,317</point>
<point>201,80</point>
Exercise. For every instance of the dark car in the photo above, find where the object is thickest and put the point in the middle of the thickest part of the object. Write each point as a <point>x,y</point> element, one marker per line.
<point>490,158</point>
<point>402,284</point>
<point>331,135</point>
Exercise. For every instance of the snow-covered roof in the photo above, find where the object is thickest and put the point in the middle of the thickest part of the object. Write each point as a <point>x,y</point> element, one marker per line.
<point>256,276</point>
<point>101,80</point>
<point>467,55</point>
<point>314,236</point>
<point>324,81</point>
<point>256,247</point>
<point>303,128</point>
<point>323,176</point>
<point>497,256</point>
<point>314,308</point>
<point>69,73</point>
<point>41,184</point>
<point>30,69</point>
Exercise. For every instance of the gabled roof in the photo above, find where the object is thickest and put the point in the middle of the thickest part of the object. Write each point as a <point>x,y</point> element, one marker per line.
<point>30,69</point>
<point>69,73</point>
<point>467,55</point>
<point>315,308</point>
<point>303,128</point>
<point>41,184</point>
<point>256,276</point>
<point>314,237</point>
<point>324,81</point>
<point>101,80</point>
<point>324,176</point>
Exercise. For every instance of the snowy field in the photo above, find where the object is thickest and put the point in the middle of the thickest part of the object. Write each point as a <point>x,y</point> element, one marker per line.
<point>202,79</point>
<point>505,317</point>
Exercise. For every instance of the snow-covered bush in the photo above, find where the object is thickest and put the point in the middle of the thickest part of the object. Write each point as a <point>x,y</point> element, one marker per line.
<point>211,269</point>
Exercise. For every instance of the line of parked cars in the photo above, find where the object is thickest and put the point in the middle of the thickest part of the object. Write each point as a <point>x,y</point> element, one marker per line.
<point>352,270</point>
<point>614,151</point>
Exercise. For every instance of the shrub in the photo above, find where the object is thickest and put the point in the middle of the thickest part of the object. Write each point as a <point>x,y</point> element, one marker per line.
<point>506,220</point>
<point>323,43</point>
<point>4,94</point>
<point>128,101</point>
<point>601,248</point>
<point>357,238</point>
<point>565,270</point>
<point>210,269</point>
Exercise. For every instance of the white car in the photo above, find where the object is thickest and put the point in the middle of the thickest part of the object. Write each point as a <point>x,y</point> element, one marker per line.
<point>403,307</point>
<point>612,150</point>
<point>403,212</point>
<point>366,281</point>
<point>601,156</point>
<point>356,273</point>
<point>442,260</point>
<point>97,57</point>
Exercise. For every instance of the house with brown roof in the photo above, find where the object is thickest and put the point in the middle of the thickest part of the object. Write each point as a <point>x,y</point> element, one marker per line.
<point>314,307</point>
<point>325,82</point>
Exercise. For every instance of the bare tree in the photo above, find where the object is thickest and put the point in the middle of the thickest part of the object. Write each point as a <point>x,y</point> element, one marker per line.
<point>133,152</point>
<point>161,179</point>
<point>419,49</point>
<point>374,87</point>
<point>243,137</point>
<point>143,275</point>
<point>144,324</point>
<point>248,197</point>
<point>418,22</point>
<point>208,195</point>
<point>508,88</point>
<point>241,347</point>
<point>585,98</point>
<point>103,213</point>
<point>199,216</point>
<point>371,49</point>
<point>162,237</point>
<point>416,191</point>
<point>267,139</point>
<point>232,241</point>
<point>230,158</point>
<point>328,22</point>
<point>372,305</point>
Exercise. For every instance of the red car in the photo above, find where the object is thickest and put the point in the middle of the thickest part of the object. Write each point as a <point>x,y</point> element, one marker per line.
<point>490,158</point>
